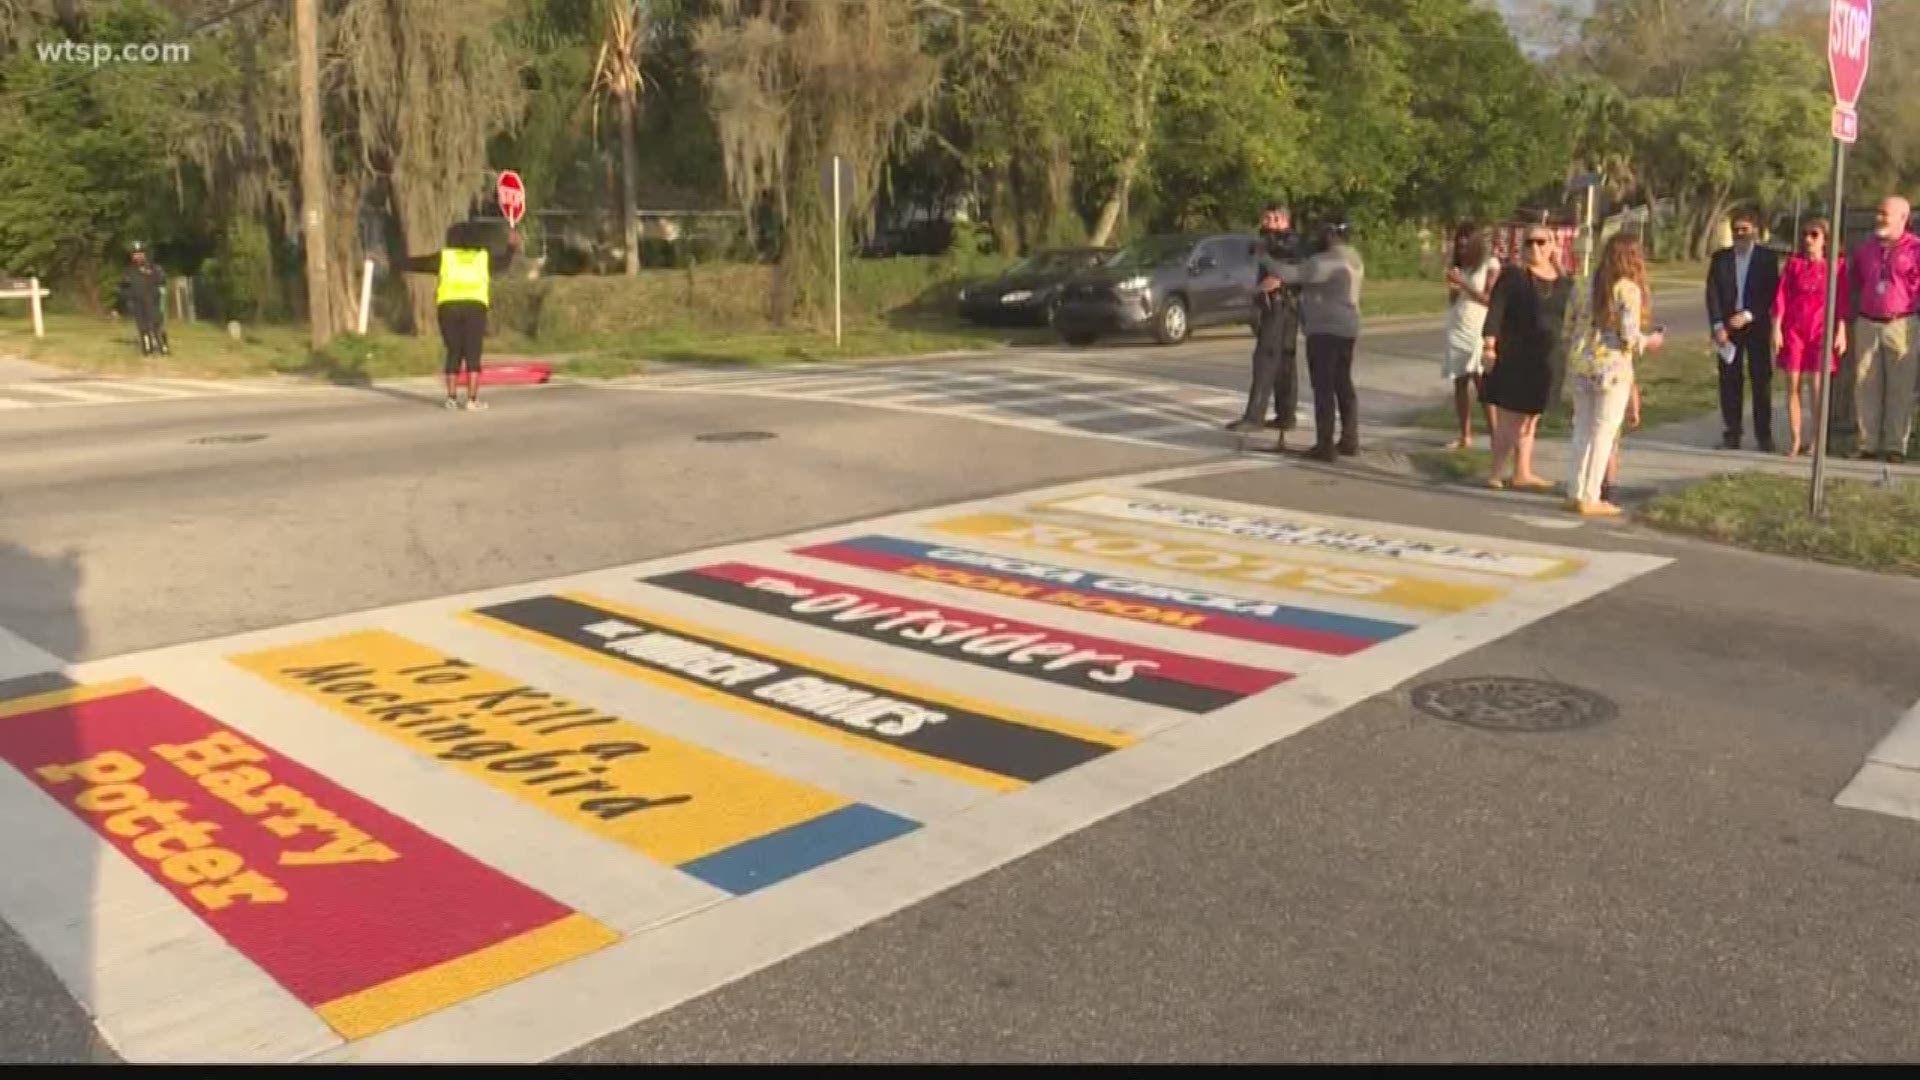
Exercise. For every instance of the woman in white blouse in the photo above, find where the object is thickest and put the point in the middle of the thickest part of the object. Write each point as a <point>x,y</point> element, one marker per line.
<point>1602,369</point>
<point>1470,277</point>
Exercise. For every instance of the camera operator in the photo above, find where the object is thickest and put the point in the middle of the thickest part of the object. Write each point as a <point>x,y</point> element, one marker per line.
<point>1276,329</point>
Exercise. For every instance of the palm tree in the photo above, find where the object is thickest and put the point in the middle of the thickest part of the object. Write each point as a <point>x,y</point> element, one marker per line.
<point>616,74</point>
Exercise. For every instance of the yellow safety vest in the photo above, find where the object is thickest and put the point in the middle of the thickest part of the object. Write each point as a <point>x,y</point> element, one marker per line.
<point>463,276</point>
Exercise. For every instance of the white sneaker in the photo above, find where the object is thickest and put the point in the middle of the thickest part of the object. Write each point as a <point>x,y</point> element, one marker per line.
<point>453,403</point>
<point>475,405</point>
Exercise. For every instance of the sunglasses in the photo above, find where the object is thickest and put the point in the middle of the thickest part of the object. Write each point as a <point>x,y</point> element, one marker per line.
<point>1538,241</point>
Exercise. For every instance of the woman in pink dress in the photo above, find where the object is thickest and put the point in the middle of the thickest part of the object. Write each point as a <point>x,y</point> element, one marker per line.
<point>1800,317</point>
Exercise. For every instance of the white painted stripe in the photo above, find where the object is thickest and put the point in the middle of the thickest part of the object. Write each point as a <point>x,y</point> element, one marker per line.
<point>1164,430</point>
<point>984,417</point>
<point>1091,414</point>
<point>1883,789</point>
<point>555,1011</point>
<point>814,384</point>
<point>1540,522</point>
<point>619,888</point>
<point>209,386</point>
<point>10,403</point>
<point>1901,746</point>
<point>67,393</point>
<point>138,389</point>
<point>1186,514</point>
<point>1889,782</point>
<point>161,985</point>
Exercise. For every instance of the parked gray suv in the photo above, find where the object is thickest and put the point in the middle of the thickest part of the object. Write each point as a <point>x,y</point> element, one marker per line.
<point>1164,285</point>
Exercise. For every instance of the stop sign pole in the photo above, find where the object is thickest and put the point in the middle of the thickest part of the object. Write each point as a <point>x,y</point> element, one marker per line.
<point>1849,39</point>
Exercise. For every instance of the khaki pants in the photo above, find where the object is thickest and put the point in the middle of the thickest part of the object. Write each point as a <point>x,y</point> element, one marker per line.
<point>1885,362</point>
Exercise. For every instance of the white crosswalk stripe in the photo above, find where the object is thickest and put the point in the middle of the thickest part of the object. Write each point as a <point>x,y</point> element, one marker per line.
<point>1087,404</point>
<point>70,393</point>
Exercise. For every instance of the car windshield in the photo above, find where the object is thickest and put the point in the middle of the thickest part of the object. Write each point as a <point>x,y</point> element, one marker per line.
<point>1149,253</point>
<point>1049,262</point>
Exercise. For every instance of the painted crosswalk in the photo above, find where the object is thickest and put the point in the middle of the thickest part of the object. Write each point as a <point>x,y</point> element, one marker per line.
<point>495,826</point>
<point>1088,403</point>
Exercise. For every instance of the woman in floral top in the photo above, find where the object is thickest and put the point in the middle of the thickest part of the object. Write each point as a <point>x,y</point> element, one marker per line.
<point>1602,369</point>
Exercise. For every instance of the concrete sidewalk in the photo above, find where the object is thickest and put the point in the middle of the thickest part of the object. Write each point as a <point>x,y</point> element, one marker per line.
<point>1653,462</point>
<point>13,370</point>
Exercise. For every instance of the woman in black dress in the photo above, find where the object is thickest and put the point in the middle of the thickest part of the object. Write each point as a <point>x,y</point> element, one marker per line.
<point>1525,346</point>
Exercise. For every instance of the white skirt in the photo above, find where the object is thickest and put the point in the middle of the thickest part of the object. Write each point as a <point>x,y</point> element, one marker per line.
<point>1462,360</point>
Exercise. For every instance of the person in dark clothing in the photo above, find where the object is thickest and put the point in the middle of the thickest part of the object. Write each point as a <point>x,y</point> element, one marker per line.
<point>1330,281</point>
<point>143,298</point>
<point>1524,347</point>
<point>1741,283</point>
<point>1276,377</point>
<point>465,267</point>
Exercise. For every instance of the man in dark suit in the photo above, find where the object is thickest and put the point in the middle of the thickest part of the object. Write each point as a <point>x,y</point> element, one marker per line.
<point>1740,285</point>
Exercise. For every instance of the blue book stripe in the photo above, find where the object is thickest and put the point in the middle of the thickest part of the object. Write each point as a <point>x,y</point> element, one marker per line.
<point>796,849</point>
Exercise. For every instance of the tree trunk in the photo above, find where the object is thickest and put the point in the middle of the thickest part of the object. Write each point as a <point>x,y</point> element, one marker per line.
<point>1064,226</point>
<point>1652,196</point>
<point>1122,185</point>
<point>1704,234</point>
<point>1001,214</point>
<point>313,174</point>
<point>629,169</point>
<point>1142,123</point>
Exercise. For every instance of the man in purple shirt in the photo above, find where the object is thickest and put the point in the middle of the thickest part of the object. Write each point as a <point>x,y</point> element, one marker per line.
<point>1884,272</point>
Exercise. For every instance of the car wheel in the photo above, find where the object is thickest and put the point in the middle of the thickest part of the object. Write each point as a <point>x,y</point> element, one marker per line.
<point>1080,338</point>
<point>1171,327</point>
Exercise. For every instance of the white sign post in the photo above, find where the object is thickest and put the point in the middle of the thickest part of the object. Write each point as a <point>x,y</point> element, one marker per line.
<point>30,291</point>
<point>366,296</point>
<point>838,185</point>
<point>836,251</point>
<point>1849,49</point>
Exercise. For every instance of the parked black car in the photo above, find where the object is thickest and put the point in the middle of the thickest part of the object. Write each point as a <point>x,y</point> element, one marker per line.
<point>1164,285</point>
<point>1025,294</point>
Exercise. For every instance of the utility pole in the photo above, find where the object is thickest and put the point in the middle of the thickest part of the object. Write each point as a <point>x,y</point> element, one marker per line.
<point>313,172</point>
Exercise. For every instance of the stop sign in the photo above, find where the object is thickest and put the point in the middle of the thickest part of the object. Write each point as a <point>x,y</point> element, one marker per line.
<point>1849,29</point>
<point>512,196</point>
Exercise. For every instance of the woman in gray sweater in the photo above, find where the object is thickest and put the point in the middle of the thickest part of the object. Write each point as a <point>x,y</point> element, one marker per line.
<point>1330,314</point>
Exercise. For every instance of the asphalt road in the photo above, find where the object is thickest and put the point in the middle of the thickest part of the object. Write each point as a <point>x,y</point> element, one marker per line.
<point>1673,883</point>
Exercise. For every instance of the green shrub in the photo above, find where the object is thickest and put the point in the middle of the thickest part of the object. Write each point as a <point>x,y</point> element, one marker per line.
<point>1392,250</point>
<point>238,281</point>
<point>560,312</point>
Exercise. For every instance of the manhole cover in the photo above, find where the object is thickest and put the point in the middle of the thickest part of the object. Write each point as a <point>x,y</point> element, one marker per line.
<point>1502,704</point>
<point>733,436</point>
<point>220,440</point>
